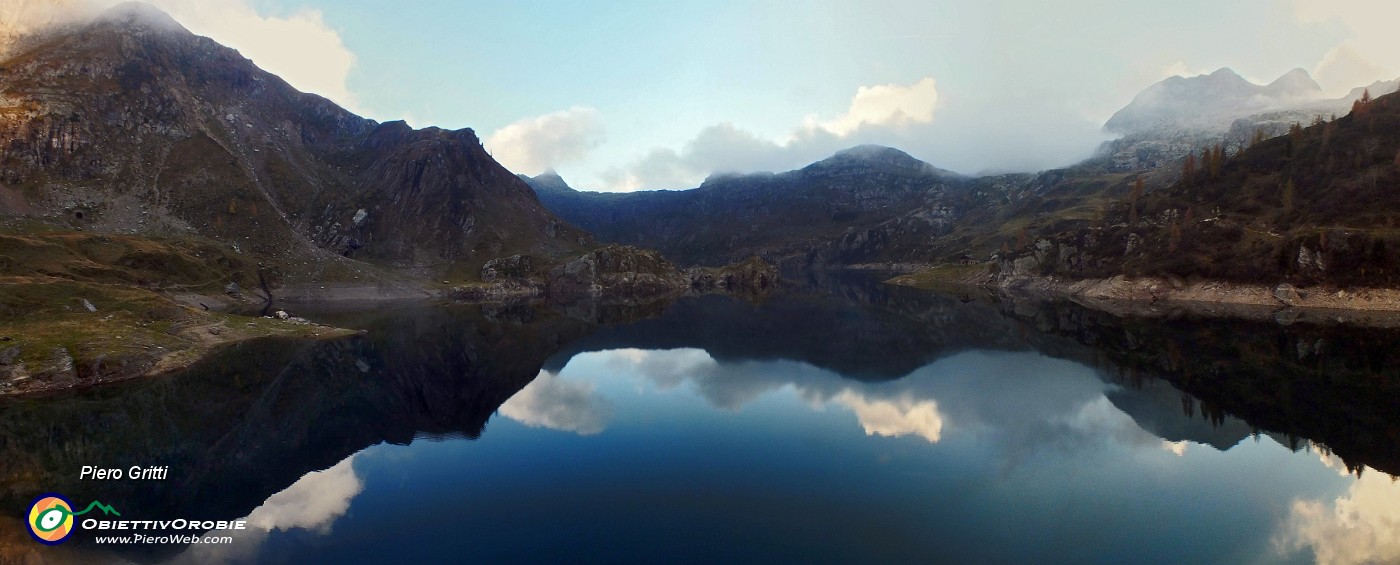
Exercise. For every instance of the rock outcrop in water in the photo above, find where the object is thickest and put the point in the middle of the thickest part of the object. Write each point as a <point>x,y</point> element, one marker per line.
<point>616,270</point>
<point>617,273</point>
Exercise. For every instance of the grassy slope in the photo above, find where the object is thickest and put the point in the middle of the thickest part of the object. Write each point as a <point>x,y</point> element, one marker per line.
<point>47,281</point>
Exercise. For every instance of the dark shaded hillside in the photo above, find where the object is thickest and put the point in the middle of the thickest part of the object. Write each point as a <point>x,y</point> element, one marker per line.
<point>133,125</point>
<point>861,205</point>
<point>843,211</point>
<point>1319,205</point>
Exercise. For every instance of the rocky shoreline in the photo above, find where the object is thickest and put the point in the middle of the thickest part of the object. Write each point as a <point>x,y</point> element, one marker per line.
<point>1283,302</point>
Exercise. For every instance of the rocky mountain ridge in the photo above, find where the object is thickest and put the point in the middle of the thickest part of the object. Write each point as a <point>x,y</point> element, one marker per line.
<point>859,205</point>
<point>130,124</point>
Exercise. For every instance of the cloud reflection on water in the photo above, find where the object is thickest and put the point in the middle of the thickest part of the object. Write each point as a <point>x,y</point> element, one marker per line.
<point>894,418</point>
<point>1361,526</point>
<point>557,404</point>
<point>312,503</point>
<point>1028,401</point>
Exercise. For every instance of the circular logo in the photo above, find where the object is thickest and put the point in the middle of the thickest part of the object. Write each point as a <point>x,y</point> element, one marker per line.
<point>51,519</point>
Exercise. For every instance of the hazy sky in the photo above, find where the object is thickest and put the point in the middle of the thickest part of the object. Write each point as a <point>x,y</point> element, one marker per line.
<point>627,95</point>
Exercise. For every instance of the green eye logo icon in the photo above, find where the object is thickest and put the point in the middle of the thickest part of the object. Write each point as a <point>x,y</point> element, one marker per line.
<point>51,517</point>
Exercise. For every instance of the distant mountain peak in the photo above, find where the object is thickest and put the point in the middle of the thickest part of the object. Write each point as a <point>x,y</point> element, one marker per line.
<point>549,180</point>
<point>138,14</point>
<point>1226,74</point>
<point>1378,88</point>
<point>1210,102</point>
<point>1295,83</point>
<point>1294,74</point>
<point>873,152</point>
<point>881,155</point>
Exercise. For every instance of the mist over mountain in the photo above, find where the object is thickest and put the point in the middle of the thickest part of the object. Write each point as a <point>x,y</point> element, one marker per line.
<point>22,19</point>
<point>1206,102</point>
<point>1180,115</point>
<point>1277,122</point>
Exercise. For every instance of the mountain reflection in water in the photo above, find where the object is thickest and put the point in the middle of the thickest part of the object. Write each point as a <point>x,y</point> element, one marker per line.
<point>837,420</point>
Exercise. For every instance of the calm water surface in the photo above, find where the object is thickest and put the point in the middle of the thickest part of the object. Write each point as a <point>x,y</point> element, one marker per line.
<point>839,422</point>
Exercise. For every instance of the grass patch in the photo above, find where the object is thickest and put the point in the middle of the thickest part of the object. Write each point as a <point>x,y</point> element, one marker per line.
<point>941,277</point>
<point>49,339</point>
<point>141,261</point>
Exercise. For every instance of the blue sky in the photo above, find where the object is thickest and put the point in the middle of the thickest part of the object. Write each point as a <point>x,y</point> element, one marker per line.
<point>629,95</point>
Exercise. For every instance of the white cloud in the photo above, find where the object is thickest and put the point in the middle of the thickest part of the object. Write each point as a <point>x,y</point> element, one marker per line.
<point>300,47</point>
<point>532,145</point>
<point>1371,48</point>
<point>1362,526</point>
<point>312,503</point>
<point>1343,69</point>
<point>721,148</point>
<point>969,136</point>
<point>557,404</point>
<point>885,413</point>
<point>1027,404</point>
<point>894,417</point>
<point>1329,459</point>
<point>659,168</point>
<point>724,386</point>
<point>885,105</point>
<point>1177,448</point>
<point>882,113</point>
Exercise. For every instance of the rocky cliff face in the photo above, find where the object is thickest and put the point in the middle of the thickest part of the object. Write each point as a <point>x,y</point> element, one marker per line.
<point>615,270</point>
<point>131,124</point>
